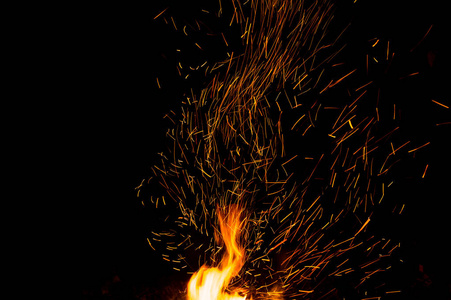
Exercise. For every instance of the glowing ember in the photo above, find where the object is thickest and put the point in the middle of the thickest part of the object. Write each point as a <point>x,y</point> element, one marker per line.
<point>211,283</point>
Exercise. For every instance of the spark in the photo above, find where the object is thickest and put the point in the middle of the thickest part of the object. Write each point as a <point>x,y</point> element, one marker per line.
<point>441,104</point>
<point>363,226</point>
<point>417,148</point>
<point>425,169</point>
<point>160,13</point>
<point>421,40</point>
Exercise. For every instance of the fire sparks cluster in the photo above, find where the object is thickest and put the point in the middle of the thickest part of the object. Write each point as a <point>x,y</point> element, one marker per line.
<point>271,180</point>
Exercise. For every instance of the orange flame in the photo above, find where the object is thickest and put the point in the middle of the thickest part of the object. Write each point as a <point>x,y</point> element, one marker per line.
<point>211,283</point>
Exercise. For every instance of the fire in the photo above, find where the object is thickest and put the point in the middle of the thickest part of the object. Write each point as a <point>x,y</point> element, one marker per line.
<point>210,283</point>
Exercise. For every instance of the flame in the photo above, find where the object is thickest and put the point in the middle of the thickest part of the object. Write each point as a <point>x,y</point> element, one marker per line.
<point>210,283</point>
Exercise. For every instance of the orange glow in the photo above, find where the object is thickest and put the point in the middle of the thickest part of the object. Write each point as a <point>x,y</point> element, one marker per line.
<point>210,283</point>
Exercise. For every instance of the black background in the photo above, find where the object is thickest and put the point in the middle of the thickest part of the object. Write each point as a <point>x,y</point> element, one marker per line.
<point>105,64</point>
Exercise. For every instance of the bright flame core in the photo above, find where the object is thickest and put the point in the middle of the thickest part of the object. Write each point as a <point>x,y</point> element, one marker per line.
<point>211,283</point>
